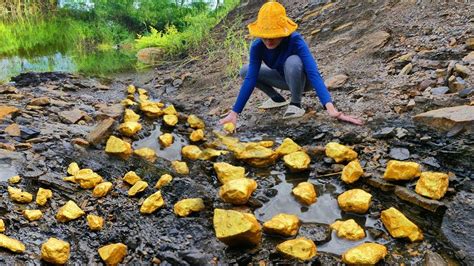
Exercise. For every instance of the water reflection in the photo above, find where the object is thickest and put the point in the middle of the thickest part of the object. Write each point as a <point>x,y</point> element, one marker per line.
<point>170,153</point>
<point>6,171</point>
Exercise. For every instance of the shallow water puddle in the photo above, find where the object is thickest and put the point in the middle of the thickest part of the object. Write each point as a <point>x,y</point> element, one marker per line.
<point>170,153</point>
<point>7,171</point>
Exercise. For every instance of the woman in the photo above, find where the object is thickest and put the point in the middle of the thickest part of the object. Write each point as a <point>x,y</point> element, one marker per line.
<point>288,64</point>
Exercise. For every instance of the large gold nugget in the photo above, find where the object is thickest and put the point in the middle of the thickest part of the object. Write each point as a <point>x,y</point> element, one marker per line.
<point>184,207</point>
<point>236,228</point>
<point>180,167</point>
<point>118,147</point>
<point>166,139</point>
<point>96,223</point>
<point>113,254</point>
<point>11,244</point>
<point>300,248</point>
<point>129,129</point>
<point>87,178</point>
<point>191,152</point>
<point>297,161</point>
<point>397,170</point>
<point>137,188</point>
<point>170,120</point>
<point>43,195</point>
<point>348,229</point>
<point>365,254</point>
<point>352,172</point>
<point>17,195</point>
<point>146,153</point>
<point>163,181</point>
<point>102,189</point>
<point>340,152</point>
<point>399,226</point>
<point>305,193</point>
<point>130,116</point>
<point>131,178</point>
<point>70,211</point>
<point>354,200</point>
<point>282,224</point>
<point>287,146</point>
<point>197,135</point>
<point>195,122</point>
<point>433,185</point>
<point>238,191</point>
<point>55,251</point>
<point>32,215</point>
<point>226,172</point>
<point>152,203</point>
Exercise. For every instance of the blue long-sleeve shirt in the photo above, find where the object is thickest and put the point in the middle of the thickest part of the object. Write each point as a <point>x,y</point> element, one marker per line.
<point>275,59</point>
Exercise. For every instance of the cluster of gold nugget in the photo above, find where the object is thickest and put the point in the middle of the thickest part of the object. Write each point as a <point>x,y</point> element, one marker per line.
<point>233,228</point>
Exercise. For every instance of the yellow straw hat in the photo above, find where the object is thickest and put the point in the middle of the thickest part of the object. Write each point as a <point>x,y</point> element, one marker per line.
<point>272,22</point>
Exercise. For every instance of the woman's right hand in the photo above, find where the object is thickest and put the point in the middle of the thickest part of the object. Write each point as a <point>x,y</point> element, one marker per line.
<point>230,118</point>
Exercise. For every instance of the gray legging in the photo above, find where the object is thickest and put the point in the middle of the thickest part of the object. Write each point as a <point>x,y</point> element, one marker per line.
<point>294,81</point>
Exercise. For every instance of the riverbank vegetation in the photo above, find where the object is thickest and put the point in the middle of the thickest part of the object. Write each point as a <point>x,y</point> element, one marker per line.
<point>104,35</point>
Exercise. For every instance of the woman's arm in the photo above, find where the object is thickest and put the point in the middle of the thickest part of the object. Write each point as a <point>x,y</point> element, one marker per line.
<point>313,75</point>
<point>248,85</point>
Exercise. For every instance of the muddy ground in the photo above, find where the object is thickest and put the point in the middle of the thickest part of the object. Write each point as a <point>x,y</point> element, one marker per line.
<point>55,133</point>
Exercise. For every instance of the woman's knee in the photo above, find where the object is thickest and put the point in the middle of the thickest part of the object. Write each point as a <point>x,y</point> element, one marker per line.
<point>293,64</point>
<point>244,70</point>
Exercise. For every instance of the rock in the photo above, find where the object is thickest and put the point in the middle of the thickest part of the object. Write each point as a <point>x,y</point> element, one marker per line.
<point>43,195</point>
<point>185,207</point>
<point>439,90</point>
<point>399,226</point>
<point>457,225</point>
<point>399,153</point>
<point>456,84</point>
<point>138,187</point>
<point>400,132</point>
<point>380,184</point>
<point>150,56</point>
<point>13,130</point>
<point>397,170</point>
<point>80,142</point>
<point>11,244</point>
<point>95,223</point>
<point>336,81</point>
<point>431,161</point>
<point>352,172</point>
<point>446,118</point>
<point>365,254</point>
<point>410,196</point>
<point>70,211</point>
<point>462,71</point>
<point>376,40</point>
<point>297,161</point>
<point>109,111</point>
<point>55,182</point>
<point>113,254</point>
<point>282,224</point>
<point>55,251</point>
<point>152,203</point>
<point>348,229</point>
<point>354,200</point>
<point>29,133</point>
<point>466,92</point>
<point>411,103</point>
<point>386,132</point>
<point>469,58</point>
<point>300,248</point>
<point>238,191</point>
<point>470,43</point>
<point>433,259</point>
<point>102,189</point>
<point>432,184</point>
<point>406,69</point>
<point>71,116</point>
<point>340,152</point>
<point>177,83</point>
<point>7,110</point>
<point>236,228</point>
<point>305,193</point>
<point>163,181</point>
<point>41,101</point>
<point>319,233</point>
